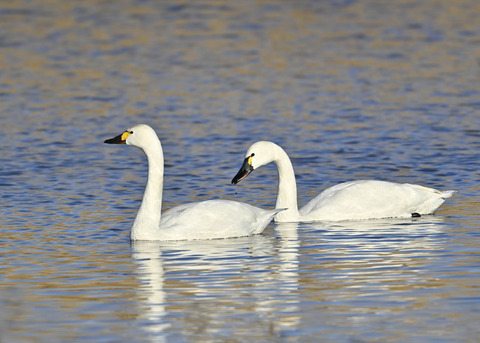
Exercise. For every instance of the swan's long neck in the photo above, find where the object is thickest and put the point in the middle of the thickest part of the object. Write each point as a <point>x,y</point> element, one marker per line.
<point>287,188</point>
<point>147,222</point>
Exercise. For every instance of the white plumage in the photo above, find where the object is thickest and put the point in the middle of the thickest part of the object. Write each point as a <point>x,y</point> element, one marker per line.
<point>210,219</point>
<point>362,199</point>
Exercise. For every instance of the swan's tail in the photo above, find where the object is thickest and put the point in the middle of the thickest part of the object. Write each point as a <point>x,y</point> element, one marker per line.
<point>432,202</point>
<point>442,194</point>
<point>447,194</point>
<point>264,219</point>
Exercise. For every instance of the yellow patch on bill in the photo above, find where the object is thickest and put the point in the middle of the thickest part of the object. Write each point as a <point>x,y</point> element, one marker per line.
<point>125,135</point>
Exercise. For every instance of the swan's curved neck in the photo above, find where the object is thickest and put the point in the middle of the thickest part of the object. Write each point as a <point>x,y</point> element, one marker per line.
<point>287,188</point>
<point>147,222</point>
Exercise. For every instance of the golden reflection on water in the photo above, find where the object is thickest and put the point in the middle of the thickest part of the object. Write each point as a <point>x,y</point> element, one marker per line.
<point>279,47</point>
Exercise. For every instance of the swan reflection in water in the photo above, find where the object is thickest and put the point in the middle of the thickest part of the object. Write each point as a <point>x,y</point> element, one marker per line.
<point>257,284</point>
<point>148,258</point>
<point>205,285</point>
<point>356,274</point>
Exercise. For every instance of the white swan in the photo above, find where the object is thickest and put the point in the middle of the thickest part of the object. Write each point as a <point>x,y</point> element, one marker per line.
<point>210,219</point>
<point>362,199</point>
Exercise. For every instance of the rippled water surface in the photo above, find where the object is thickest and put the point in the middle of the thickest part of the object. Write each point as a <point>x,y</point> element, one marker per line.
<point>350,89</point>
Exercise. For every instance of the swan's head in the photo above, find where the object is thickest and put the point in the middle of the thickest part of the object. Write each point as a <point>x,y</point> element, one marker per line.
<point>139,135</point>
<point>259,154</point>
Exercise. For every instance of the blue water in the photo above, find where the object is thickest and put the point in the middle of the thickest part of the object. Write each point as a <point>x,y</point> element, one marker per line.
<point>350,89</point>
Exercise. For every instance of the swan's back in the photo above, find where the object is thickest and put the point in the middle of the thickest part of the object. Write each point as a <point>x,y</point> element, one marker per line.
<point>214,219</point>
<point>367,199</point>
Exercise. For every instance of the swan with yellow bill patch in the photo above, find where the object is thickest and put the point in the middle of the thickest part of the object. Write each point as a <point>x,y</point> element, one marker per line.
<point>211,219</point>
<point>361,199</point>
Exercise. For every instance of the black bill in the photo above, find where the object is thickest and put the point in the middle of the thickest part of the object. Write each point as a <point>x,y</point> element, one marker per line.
<point>244,170</point>
<point>120,139</point>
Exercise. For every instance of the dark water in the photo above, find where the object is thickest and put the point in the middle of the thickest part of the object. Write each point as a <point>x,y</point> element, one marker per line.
<point>350,89</point>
